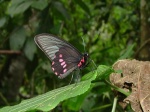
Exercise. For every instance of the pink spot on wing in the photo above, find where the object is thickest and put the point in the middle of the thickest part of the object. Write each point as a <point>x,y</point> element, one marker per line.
<point>61,60</point>
<point>53,69</point>
<point>82,60</point>
<point>60,55</point>
<point>56,73</point>
<point>63,63</point>
<point>53,63</point>
<point>64,70</point>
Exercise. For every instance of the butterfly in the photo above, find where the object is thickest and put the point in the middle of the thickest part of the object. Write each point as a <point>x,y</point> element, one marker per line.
<point>65,57</point>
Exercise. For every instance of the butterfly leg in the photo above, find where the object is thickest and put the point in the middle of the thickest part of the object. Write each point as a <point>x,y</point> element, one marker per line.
<point>77,76</point>
<point>71,78</point>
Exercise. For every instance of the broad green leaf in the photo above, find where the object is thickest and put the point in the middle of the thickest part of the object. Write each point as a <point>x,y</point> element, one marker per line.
<point>49,100</point>
<point>17,38</point>
<point>30,48</point>
<point>103,71</point>
<point>40,4</point>
<point>128,52</point>
<point>89,76</point>
<point>18,6</point>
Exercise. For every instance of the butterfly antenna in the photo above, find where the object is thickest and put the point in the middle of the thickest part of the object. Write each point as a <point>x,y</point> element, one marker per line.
<point>93,63</point>
<point>83,44</point>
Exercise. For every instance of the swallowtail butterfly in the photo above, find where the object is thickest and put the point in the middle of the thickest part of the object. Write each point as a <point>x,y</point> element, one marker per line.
<point>65,57</point>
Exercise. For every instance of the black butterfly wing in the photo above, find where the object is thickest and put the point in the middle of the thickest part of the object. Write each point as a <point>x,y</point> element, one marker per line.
<point>66,61</point>
<point>63,55</point>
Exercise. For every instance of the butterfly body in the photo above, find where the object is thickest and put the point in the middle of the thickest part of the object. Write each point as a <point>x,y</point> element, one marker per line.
<point>65,57</point>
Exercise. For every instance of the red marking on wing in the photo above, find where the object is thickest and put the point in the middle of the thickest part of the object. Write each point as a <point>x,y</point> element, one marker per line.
<point>81,62</point>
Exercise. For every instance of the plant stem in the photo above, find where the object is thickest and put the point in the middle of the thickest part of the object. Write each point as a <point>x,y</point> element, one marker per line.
<point>118,89</point>
<point>114,104</point>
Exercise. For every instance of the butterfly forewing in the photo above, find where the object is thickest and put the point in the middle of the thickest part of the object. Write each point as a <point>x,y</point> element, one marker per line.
<point>63,55</point>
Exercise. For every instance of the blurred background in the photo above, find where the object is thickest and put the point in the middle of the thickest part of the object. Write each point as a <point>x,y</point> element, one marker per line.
<point>111,29</point>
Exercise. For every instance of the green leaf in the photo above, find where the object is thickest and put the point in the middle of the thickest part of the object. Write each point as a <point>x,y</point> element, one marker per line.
<point>75,102</point>
<point>17,38</point>
<point>40,4</point>
<point>3,20</point>
<point>118,12</point>
<point>30,48</point>
<point>103,71</point>
<point>128,52</point>
<point>83,6</point>
<point>89,102</point>
<point>60,8</point>
<point>49,100</point>
<point>18,6</point>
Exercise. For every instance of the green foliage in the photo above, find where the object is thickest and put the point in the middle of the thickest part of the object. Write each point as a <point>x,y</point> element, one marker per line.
<point>110,30</point>
<point>17,38</point>
<point>83,6</point>
<point>2,21</point>
<point>30,49</point>
<point>104,72</point>
<point>40,4</point>
<point>51,99</point>
<point>18,6</point>
<point>58,6</point>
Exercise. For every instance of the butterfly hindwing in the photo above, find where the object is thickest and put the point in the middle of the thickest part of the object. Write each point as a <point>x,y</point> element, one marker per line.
<point>63,55</point>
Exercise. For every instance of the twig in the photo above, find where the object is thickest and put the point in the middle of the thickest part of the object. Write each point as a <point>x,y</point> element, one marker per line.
<point>9,52</point>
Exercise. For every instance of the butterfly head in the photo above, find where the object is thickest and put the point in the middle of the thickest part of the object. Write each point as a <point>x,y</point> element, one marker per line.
<point>86,55</point>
